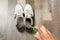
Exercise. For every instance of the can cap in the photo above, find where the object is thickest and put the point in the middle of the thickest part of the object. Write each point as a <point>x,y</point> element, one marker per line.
<point>34,30</point>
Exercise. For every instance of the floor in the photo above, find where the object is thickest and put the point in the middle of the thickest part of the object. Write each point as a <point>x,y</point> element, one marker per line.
<point>8,30</point>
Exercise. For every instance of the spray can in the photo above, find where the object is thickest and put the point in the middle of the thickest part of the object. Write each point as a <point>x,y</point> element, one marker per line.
<point>35,31</point>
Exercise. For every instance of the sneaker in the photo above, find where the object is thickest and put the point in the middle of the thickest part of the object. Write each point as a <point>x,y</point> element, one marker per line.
<point>19,18</point>
<point>28,15</point>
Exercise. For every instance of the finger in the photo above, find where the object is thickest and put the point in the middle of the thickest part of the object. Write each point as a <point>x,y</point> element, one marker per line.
<point>37,37</point>
<point>36,27</point>
<point>52,36</point>
<point>43,29</point>
<point>44,33</point>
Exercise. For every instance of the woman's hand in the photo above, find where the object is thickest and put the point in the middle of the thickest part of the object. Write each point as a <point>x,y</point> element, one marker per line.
<point>44,34</point>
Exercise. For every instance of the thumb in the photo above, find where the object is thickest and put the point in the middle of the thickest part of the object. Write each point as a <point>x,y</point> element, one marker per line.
<point>37,37</point>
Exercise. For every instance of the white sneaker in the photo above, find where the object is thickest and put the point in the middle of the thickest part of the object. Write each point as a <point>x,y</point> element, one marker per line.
<point>19,18</point>
<point>18,11</point>
<point>28,12</point>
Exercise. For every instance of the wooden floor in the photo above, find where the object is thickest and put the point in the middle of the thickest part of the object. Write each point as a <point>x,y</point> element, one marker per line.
<point>8,30</point>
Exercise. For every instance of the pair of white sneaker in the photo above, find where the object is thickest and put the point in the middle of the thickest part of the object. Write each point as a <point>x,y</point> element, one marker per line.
<point>26,13</point>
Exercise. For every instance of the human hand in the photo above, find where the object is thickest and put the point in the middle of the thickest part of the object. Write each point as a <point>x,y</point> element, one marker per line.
<point>44,34</point>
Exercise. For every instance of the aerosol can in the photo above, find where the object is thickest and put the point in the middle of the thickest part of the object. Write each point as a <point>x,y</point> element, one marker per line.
<point>35,31</point>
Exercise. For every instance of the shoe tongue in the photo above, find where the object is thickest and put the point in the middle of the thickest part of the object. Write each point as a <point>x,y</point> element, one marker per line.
<point>23,15</point>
